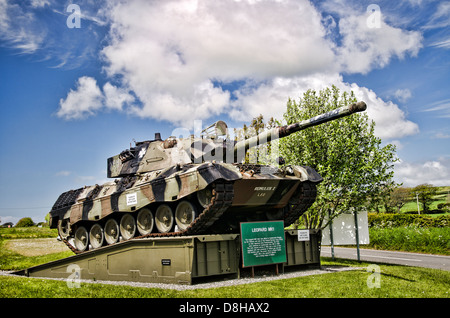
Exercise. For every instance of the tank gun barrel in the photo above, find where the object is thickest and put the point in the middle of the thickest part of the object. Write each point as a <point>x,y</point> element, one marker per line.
<point>284,131</point>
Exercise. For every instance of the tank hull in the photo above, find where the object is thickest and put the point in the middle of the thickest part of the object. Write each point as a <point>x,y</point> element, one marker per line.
<point>189,186</point>
<point>221,196</point>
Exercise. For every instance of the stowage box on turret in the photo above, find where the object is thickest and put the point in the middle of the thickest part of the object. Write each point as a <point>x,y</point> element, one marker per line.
<point>190,186</point>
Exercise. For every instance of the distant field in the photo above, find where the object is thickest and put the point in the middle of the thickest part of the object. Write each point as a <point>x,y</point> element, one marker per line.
<point>27,232</point>
<point>442,196</point>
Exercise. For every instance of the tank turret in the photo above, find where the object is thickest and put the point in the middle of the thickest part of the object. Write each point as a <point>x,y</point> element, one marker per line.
<point>157,154</point>
<point>188,186</point>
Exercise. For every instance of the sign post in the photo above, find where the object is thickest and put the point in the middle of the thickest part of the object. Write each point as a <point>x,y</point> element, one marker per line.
<point>355,213</point>
<point>262,243</point>
<point>347,229</point>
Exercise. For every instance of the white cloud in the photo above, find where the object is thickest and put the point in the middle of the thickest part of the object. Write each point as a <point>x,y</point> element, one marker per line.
<point>445,44</point>
<point>39,3</point>
<point>63,173</point>
<point>390,120</point>
<point>174,57</point>
<point>402,95</point>
<point>441,17</point>
<point>270,99</point>
<point>435,172</point>
<point>116,98</point>
<point>35,28</point>
<point>82,102</point>
<point>20,28</point>
<point>87,99</point>
<point>204,101</point>
<point>441,135</point>
<point>174,54</point>
<point>365,47</point>
<point>442,107</point>
<point>397,143</point>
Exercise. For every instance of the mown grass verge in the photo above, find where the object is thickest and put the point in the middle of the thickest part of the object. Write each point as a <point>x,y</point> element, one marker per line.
<point>394,282</point>
<point>27,232</point>
<point>10,260</point>
<point>411,239</point>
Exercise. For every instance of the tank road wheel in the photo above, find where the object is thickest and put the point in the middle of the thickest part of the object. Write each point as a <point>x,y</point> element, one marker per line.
<point>127,226</point>
<point>185,214</point>
<point>64,228</point>
<point>145,221</point>
<point>111,231</point>
<point>164,218</point>
<point>81,239</point>
<point>96,236</point>
<point>204,196</point>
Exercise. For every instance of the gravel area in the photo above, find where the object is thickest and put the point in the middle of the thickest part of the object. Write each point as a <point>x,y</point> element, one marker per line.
<point>214,284</point>
<point>36,246</point>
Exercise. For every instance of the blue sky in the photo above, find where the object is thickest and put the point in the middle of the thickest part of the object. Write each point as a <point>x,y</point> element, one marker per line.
<point>72,96</point>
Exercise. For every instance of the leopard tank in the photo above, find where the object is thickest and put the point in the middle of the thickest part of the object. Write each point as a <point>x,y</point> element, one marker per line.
<point>188,186</point>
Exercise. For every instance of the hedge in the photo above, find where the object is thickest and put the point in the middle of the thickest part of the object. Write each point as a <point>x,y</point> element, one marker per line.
<point>382,220</point>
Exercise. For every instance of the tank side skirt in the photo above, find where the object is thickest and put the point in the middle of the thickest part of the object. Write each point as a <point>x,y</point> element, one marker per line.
<point>300,202</point>
<point>221,201</point>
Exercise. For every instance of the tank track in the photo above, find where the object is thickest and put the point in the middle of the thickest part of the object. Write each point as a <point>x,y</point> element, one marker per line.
<point>223,193</point>
<point>222,198</point>
<point>300,202</point>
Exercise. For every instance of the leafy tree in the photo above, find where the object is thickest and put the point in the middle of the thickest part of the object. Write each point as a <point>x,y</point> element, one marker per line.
<point>261,153</point>
<point>399,197</point>
<point>25,222</point>
<point>345,152</point>
<point>426,193</point>
<point>257,126</point>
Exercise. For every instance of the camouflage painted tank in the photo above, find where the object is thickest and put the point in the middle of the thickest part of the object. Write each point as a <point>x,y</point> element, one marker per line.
<point>186,187</point>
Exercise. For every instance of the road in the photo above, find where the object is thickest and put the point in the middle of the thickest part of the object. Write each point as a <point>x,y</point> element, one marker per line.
<point>401,258</point>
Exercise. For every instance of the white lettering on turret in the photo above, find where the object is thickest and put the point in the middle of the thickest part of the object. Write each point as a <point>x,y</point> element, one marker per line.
<point>265,188</point>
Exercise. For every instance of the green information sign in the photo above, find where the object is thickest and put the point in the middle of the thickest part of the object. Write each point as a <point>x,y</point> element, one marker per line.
<point>263,243</point>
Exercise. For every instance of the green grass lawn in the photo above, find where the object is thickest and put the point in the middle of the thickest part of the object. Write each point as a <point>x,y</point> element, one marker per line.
<point>10,260</point>
<point>394,282</point>
<point>27,232</point>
